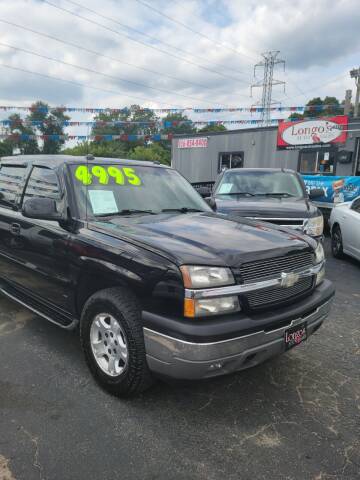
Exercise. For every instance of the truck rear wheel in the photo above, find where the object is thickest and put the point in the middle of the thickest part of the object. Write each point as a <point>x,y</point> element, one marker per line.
<point>113,342</point>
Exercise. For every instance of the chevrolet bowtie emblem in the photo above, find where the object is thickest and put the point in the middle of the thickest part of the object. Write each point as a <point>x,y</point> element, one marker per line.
<point>288,279</point>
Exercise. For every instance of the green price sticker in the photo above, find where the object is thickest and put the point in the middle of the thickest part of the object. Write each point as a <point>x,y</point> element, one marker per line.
<point>88,175</point>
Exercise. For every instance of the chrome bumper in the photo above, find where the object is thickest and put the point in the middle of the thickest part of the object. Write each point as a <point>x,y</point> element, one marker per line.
<point>176,358</point>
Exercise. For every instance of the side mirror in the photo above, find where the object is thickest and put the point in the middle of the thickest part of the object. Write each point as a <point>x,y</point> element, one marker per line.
<point>211,202</point>
<point>316,193</point>
<point>41,208</point>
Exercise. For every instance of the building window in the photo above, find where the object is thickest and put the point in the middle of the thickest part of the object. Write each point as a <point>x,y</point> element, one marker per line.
<point>11,177</point>
<point>230,160</point>
<point>312,162</point>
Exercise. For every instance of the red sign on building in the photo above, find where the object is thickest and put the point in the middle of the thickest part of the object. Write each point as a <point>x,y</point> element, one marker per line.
<point>317,132</point>
<point>197,142</point>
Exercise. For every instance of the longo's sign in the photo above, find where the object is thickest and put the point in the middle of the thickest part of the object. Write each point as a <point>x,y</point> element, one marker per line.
<point>320,132</point>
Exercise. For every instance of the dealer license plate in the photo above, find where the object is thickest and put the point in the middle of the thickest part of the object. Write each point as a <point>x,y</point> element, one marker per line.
<point>295,335</point>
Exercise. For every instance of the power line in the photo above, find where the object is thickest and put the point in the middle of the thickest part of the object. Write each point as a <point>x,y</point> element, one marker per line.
<point>90,70</point>
<point>78,83</point>
<point>190,29</point>
<point>316,88</point>
<point>142,43</point>
<point>149,36</point>
<point>93,52</point>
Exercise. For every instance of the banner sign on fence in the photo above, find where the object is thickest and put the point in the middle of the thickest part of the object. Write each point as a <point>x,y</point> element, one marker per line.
<point>318,132</point>
<point>336,189</point>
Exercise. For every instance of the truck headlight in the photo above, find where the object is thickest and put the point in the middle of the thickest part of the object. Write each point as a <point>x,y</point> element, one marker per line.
<point>319,253</point>
<point>320,276</point>
<point>319,258</point>
<point>314,226</point>
<point>203,307</point>
<point>206,277</point>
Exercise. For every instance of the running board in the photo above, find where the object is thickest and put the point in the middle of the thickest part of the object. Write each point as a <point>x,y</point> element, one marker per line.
<point>71,326</point>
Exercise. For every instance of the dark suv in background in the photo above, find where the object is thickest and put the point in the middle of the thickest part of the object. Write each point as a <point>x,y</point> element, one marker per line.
<point>158,283</point>
<point>268,194</point>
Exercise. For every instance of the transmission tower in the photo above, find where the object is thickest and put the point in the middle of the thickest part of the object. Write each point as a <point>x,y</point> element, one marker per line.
<point>268,64</point>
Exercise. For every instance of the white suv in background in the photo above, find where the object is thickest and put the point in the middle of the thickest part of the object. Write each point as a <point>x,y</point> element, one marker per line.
<point>345,229</point>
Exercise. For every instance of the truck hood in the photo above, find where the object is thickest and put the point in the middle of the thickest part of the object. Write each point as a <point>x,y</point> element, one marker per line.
<point>265,207</point>
<point>204,238</point>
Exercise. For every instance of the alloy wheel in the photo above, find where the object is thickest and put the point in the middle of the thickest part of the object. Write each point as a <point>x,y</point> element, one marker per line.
<point>108,344</point>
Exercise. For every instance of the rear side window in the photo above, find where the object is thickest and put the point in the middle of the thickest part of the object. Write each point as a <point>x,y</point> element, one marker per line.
<point>43,183</point>
<point>11,182</point>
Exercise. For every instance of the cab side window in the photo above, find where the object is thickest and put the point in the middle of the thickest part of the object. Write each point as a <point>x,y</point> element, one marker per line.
<point>11,183</point>
<point>356,205</point>
<point>43,183</point>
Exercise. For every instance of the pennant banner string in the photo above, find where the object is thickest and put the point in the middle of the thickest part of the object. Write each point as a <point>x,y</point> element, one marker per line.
<point>253,109</point>
<point>163,123</point>
<point>96,138</point>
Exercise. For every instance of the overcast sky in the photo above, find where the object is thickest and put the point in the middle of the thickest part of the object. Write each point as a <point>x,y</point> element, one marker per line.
<point>318,39</point>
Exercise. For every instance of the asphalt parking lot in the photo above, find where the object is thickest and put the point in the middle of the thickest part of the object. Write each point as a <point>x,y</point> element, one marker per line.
<point>296,417</point>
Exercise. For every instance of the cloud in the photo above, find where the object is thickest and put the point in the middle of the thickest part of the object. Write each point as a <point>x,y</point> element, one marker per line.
<point>318,43</point>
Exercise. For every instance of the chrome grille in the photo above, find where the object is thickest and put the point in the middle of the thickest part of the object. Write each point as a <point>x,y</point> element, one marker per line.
<point>272,267</point>
<point>276,295</point>
<point>296,223</point>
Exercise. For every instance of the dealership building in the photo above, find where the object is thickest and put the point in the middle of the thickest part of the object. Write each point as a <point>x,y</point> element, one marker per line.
<point>320,146</point>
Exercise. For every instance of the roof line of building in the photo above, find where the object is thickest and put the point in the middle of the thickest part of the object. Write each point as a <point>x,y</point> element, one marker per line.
<point>224,132</point>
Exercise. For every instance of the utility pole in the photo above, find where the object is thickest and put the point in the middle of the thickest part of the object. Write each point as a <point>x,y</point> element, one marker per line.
<point>347,103</point>
<point>355,73</point>
<point>268,64</point>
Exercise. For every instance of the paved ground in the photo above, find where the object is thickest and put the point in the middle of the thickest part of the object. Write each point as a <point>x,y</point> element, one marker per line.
<point>297,417</point>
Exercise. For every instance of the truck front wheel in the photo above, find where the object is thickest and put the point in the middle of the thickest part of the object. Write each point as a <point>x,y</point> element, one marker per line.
<point>113,342</point>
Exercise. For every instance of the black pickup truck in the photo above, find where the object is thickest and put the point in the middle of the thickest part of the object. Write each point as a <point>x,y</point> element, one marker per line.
<point>273,195</point>
<point>158,283</point>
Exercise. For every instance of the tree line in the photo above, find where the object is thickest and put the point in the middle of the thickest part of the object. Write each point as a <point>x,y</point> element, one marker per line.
<point>42,120</point>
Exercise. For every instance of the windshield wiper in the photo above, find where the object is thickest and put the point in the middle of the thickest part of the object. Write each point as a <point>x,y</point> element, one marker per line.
<point>277,194</point>
<point>125,212</point>
<point>238,193</point>
<point>181,210</point>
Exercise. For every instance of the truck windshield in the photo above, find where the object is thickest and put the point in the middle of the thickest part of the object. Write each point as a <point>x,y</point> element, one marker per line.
<point>255,183</point>
<point>118,189</point>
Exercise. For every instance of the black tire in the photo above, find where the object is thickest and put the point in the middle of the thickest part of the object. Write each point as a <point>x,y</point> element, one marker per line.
<point>121,304</point>
<point>337,242</point>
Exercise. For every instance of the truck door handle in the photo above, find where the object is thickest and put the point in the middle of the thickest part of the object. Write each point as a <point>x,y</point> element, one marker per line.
<point>15,228</point>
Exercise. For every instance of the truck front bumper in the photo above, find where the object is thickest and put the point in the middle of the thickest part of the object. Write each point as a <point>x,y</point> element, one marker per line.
<point>177,358</point>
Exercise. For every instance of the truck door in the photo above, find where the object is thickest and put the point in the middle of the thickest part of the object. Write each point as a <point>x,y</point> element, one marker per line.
<point>39,246</point>
<point>12,177</point>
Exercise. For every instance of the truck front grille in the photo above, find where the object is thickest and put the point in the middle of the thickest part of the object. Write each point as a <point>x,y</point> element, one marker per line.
<point>277,295</point>
<point>261,270</point>
<point>296,223</point>
<point>272,267</point>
